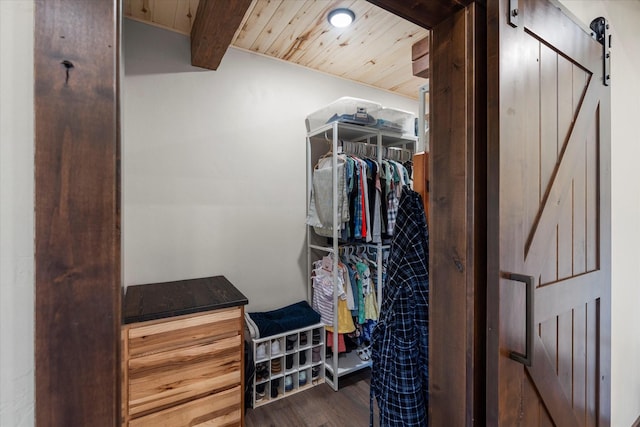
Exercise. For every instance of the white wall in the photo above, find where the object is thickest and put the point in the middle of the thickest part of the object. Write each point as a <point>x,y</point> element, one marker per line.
<point>214,165</point>
<point>623,16</point>
<point>16,214</point>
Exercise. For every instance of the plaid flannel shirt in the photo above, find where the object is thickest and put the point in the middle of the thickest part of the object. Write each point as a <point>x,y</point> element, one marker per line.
<point>400,376</point>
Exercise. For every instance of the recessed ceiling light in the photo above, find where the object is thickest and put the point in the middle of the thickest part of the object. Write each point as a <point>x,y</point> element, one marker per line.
<point>341,17</point>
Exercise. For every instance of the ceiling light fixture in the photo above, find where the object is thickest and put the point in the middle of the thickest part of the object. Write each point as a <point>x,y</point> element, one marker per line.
<point>341,17</point>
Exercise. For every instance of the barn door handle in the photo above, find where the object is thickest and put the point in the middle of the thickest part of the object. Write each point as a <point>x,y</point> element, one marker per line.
<point>527,358</point>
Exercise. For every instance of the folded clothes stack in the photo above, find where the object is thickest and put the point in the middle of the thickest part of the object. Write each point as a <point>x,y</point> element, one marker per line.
<point>289,318</point>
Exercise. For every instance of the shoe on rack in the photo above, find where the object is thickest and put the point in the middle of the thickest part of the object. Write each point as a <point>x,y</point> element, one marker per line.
<point>274,388</point>
<point>302,378</point>
<point>288,383</point>
<point>302,358</point>
<point>315,371</point>
<point>291,342</point>
<point>315,355</point>
<point>261,351</point>
<point>276,366</point>
<point>303,339</point>
<point>262,371</point>
<point>275,347</point>
<point>316,336</point>
<point>289,361</point>
<point>260,392</point>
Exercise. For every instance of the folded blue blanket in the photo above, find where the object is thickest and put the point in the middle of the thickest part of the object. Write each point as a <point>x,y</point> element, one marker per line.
<point>294,316</point>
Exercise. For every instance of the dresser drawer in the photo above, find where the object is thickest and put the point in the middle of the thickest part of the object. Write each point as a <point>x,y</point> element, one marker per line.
<point>220,409</point>
<point>162,379</point>
<point>185,332</point>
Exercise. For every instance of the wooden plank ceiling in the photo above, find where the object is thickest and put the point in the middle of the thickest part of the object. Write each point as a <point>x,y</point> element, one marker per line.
<point>374,50</point>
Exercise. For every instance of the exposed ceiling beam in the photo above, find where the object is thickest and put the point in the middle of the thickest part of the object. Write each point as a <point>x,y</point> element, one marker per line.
<point>420,58</point>
<point>213,29</point>
<point>426,13</point>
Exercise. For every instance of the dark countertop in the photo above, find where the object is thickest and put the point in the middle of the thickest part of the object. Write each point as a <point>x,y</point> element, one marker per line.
<point>161,300</point>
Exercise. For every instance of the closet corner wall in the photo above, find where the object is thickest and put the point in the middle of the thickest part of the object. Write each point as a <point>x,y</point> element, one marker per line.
<point>329,140</point>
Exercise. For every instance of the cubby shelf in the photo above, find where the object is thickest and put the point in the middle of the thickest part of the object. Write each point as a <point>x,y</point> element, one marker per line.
<point>285,363</point>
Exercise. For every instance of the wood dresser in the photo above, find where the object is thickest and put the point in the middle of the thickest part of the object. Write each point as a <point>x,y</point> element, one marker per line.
<point>183,354</point>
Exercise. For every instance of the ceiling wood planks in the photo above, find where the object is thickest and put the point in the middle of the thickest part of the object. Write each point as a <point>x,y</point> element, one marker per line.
<point>213,29</point>
<point>375,50</point>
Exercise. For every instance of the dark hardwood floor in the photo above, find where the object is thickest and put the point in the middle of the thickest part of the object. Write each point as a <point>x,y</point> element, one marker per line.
<point>319,406</point>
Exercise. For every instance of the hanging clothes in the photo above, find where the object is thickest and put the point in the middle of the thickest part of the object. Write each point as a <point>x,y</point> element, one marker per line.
<point>400,354</point>
<point>323,286</point>
<point>320,214</point>
<point>368,196</point>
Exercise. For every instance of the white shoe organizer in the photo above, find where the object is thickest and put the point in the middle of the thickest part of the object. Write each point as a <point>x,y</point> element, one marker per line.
<point>285,363</point>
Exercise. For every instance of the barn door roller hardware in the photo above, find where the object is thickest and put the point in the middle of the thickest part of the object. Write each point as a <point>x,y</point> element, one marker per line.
<point>513,13</point>
<point>600,32</point>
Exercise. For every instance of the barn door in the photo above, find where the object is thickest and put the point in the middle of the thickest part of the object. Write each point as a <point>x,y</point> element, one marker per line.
<point>548,350</point>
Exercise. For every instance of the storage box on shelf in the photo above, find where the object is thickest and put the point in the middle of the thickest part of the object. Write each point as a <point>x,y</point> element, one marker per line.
<point>288,363</point>
<point>347,110</point>
<point>363,113</point>
<point>394,120</point>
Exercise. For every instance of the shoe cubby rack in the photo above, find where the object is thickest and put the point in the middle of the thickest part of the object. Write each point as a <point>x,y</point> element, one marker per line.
<point>288,363</point>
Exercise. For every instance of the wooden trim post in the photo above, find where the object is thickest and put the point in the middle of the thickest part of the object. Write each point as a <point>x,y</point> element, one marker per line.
<point>457,156</point>
<point>77,218</point>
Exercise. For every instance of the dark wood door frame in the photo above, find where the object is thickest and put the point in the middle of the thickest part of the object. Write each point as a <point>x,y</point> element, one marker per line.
<point>458,219</point>
<point>77,215</point>
<point>78,269</point>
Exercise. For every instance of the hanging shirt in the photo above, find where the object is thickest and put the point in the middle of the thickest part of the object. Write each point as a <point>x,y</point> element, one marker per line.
<point>321,203</point>
<point>323,297</point>
<point>323,288</point>
<point>358,201</point>
<point>400,353</point>
<point>392,210</point>
<point>357,290</point>
<point>367,213</point>
<point>344,270</point>
<point>364,287</point>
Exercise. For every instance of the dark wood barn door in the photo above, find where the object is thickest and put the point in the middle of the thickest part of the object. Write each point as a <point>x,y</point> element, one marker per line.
<point>549,221</point>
